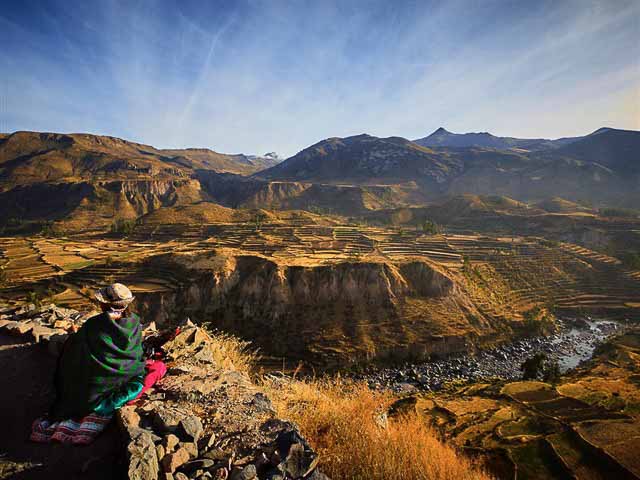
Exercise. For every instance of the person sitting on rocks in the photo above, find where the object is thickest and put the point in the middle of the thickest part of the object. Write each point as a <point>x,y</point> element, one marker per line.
<point>100,369</point>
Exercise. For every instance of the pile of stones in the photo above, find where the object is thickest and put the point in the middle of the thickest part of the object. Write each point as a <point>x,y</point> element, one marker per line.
<point>48,324</point>
<point>208,421</point>
<point>205,420</point>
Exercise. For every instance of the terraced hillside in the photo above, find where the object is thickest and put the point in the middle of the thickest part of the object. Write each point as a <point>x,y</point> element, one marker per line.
<point>495,286</point>
<point>585,427</point>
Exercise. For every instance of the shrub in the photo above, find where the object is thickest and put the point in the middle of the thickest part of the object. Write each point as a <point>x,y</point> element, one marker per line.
<point>538,321</point>
<point>123,226</point>
<point>430,228</point>
<point>631,260</point>
<point>347,425</point>
<point>34,297</point>
<point>533,367</point>
<point>551,373</point>
<point>51,230</point>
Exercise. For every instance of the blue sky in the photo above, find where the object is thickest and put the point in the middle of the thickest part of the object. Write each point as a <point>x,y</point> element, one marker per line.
<point>255,76</point>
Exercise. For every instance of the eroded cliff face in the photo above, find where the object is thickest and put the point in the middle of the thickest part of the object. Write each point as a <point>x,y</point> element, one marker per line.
<point>84,205</point>
<point>327,314</point>
<point>145,196</point>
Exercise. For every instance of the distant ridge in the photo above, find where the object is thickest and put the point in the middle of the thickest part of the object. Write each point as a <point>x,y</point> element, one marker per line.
<point>443,138</point>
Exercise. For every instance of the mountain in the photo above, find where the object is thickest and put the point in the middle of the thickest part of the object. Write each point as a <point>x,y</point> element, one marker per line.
<point>443,138</point>
<point>618,150</point>
<point>364,159</point>
<point>600,168</point>
<point>89,179</point>
<point>265,161</point>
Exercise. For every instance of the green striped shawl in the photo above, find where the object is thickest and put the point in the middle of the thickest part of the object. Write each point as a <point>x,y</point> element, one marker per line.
<point>100,359</point>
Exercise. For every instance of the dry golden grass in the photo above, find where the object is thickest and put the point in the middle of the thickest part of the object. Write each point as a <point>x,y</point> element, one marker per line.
<point>232,353</point>
<point>344,423</point>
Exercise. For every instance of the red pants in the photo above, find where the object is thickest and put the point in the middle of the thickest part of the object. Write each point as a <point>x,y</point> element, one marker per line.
<point>156,369</point>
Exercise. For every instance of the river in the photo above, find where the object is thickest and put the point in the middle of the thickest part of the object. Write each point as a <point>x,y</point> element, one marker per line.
<point>573,344</point>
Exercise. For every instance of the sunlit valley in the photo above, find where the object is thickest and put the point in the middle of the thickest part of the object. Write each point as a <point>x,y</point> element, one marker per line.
<point>432,305</point>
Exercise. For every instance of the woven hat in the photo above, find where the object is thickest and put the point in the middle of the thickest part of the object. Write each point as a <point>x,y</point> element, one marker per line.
<point>116,295</point>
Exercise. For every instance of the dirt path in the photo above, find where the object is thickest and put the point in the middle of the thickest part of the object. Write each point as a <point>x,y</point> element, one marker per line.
<point>26,392</point>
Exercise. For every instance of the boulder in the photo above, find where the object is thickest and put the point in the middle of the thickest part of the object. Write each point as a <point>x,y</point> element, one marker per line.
<point>190,428</point>
<point>128,419</point>
<point>172,461</point>
<point>170,442</point>
<point>167,420</point>
<point>190,447</point>
<point>200,463</point>
<point>141,453</point>
<point>247,473</point>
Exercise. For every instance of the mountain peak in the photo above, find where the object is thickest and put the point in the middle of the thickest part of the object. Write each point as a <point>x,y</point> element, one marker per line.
<point>440,130</point>
<point>601,130</point>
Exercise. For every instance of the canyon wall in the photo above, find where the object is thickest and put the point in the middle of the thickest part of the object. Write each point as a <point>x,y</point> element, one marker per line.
<point>325,314</point>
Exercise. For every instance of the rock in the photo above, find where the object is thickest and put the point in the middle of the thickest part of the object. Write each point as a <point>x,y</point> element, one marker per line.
<point>192,448</point>
<point>300,461</point>
<point>160,452</point>
<point>128,418</point>
<point>205,355</point>
<point>247,473</point>
<point>63,324</point>
<point>21,328</point>
<point>190,428</point>
<point>170,442</point>
<point>200,463</point>
<point>40,333</point>
<point>211,441</point>
<point>262,403</point>
<point>403,406</point>
<point>172,461</point>
<point>216,454</point>
<point>166,421</point>
<point>298,458</point>
<point>143,462</point>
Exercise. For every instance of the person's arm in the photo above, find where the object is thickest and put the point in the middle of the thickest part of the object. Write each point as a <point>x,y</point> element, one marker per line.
<point>117,399</point>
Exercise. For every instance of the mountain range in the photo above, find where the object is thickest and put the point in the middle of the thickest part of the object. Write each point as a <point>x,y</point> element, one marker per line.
<point>88,180</point>
<point>444,138</point>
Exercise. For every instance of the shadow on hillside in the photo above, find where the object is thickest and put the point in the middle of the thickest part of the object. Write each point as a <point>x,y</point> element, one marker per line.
<point>26,393</point>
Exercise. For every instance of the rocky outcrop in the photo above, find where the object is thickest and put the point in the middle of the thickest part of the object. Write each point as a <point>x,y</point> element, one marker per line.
<point>205,419</point>
<point>208,421</point>
<point>46,324</point>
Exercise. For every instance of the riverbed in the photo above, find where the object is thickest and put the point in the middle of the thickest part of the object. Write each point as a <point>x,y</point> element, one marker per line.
<point>574,343</point>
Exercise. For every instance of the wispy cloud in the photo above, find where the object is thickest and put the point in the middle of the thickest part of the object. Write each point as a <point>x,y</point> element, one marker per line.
<point>262,75</point>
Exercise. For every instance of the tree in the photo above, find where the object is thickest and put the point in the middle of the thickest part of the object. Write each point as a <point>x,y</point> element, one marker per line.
<point>123,226</point>
<point>258,219</point>
<point>551,372</point>
<point>532,368</point>
<point>430,228</point>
